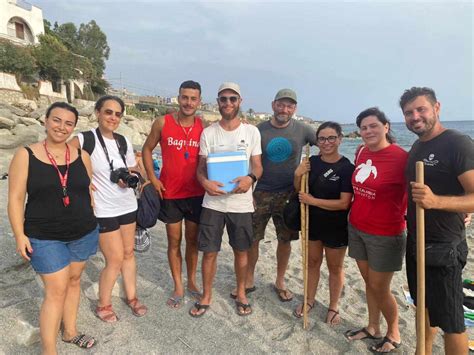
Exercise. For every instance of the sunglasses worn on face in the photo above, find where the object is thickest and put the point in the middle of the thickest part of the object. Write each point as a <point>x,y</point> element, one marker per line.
<point>111,112</point>
<point>224,99</point>
<point>330,139</point>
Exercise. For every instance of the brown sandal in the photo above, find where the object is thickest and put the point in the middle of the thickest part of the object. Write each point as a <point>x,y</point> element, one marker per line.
<point>138,309</point>
<point>106,314</point>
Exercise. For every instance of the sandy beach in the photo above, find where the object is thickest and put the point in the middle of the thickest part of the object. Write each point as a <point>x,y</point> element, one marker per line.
<point>270,329</point>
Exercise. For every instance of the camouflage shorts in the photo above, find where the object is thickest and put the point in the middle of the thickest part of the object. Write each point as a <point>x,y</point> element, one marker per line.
<point>270,204</point>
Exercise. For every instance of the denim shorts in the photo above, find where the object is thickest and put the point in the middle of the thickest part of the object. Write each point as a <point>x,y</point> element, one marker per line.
<point>53,255</point>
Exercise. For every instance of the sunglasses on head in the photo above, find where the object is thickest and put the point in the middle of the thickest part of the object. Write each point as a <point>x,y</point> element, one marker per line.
<point>224,99</point>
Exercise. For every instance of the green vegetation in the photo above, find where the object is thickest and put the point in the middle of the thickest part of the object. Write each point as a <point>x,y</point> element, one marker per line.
<point>17,60</point>
<point>64,53</point>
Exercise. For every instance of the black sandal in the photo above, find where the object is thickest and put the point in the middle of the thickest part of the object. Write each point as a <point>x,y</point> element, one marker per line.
<point>197,306</point>
<point>245,307</point>
<point>83,341</point>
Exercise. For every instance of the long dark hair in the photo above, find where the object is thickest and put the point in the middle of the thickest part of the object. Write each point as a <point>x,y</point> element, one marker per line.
<point>375,111</point>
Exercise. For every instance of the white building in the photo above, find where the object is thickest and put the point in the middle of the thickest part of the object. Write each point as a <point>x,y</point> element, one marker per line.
<point>20,22</point>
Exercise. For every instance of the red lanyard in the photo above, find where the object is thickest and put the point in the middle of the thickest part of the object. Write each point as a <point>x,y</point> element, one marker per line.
<point>62,178</point>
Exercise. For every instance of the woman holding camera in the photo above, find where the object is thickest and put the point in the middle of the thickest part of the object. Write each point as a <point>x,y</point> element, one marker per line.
<point>57,230</point>
<point>115,205</point>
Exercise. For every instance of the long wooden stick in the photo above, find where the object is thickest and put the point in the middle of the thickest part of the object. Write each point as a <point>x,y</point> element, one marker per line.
<point>304,209</point>
<point>420,267</point>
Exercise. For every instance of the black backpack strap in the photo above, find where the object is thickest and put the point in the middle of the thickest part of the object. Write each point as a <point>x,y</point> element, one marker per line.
<point>122,146</point>
<point>89,141</point>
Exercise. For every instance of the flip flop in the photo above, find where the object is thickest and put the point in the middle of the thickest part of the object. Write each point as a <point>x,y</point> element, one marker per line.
<point>281,293</point>
<point>195,294</point>
<point>245,306</point>
<point>83,341</point>
<point>247,291</point>
<point>336,314</point>
<point>374,348</point>
<point>175,302</point>
<point>300,314</point>
<point>354,332</point>
<point>197,306</point>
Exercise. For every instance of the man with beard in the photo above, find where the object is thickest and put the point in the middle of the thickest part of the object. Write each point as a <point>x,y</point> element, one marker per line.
<point>282,141</point>
<point>233,210</point>
<point>447,197</point>
<point>178,134</point>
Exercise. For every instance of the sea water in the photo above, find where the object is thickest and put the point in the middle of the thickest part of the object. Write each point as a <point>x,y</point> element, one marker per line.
<point>403,136</point>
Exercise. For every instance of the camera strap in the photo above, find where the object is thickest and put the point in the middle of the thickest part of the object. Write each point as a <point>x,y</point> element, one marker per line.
<point>102,143</point>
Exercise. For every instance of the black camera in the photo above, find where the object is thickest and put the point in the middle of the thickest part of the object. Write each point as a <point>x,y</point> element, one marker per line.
<point>131,180</point>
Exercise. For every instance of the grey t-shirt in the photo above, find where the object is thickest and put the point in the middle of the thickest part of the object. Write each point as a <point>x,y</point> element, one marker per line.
<point>281,153</point>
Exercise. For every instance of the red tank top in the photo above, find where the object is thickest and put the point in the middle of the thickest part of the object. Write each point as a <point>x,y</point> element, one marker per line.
<point>180,155</point>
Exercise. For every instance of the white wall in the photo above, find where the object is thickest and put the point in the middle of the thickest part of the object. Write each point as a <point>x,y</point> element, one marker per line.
<point>33,17</point>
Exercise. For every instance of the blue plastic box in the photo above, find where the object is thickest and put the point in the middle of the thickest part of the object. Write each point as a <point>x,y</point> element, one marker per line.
<point>225,167</point>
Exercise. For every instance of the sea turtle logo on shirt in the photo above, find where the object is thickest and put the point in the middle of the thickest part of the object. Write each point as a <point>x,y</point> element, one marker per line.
<point>279,149</point>
<point>431,161</point>
<point>364,171</point>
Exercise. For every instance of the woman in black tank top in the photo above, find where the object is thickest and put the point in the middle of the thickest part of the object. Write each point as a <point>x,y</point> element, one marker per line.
<point>57,230</point>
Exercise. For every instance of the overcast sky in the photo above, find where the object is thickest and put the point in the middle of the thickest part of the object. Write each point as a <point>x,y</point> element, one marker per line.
<point>340,57</point>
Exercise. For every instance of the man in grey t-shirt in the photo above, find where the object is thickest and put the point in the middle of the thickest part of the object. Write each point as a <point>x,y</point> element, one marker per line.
<point>282,141</point>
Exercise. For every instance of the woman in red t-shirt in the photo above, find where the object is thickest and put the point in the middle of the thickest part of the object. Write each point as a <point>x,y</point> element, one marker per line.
<point>377,236</point>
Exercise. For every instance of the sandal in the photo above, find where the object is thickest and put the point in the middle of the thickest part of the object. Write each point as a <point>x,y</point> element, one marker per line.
<point>175,302</point>
<point>106,314</point>
<point>138,308</point>
<point>242,308</point>
<point>335,319</point>
<point>284,295</point>
<point>247,291</point>
<point>375,348</point>
<point>83,341</point>
<point>354,332</point>
<point>197,306</point>
<point>300,313</point>
<point>195,294</point>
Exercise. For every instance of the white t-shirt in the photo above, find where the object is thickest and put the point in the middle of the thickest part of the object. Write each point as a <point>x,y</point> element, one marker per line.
<point>110,200</point>
<point>216,139</point>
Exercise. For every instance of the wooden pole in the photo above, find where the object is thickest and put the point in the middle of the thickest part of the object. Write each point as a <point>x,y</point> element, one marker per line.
<point>304,209</point>
<point>420,267</point>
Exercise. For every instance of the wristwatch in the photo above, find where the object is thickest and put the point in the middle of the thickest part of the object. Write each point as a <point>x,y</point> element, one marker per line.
<point>253,177</point>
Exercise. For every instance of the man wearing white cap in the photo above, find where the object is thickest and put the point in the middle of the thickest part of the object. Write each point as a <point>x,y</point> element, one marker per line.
<point>232,210</point>
<point>283,138</point>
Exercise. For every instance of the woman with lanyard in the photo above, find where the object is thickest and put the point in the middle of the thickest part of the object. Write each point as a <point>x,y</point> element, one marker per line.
<point>377,236</point>
<point>57,231</point>
<point>329,199</point>
<point>115,206</point>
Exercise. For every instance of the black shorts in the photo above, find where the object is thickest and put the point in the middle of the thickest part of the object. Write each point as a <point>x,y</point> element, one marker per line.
<point>211,228</point>
<point>175,210</point>
<point>336,239</point>
<point>444,294</point>
<point>110,224</point>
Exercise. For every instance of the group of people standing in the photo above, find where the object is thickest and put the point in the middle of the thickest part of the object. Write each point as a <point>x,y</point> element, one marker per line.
<point>360,207</point>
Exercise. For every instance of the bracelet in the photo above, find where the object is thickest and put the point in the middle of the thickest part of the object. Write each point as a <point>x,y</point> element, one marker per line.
<point>253,177</point>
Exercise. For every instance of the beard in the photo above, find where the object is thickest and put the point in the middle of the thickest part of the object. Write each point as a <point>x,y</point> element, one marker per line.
<point>282,119</point>
<point>229,116</point>
<point>428,125</point>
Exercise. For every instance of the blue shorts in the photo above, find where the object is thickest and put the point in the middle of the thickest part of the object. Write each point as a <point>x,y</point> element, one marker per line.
<point>53,255</point>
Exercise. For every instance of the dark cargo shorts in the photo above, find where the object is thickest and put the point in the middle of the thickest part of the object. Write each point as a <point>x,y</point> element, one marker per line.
<point>271,204</point>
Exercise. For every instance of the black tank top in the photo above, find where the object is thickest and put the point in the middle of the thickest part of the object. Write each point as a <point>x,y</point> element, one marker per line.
<point>45,215</point>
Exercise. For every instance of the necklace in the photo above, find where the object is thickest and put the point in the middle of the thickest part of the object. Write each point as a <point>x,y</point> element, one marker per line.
<point>186,134</point>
